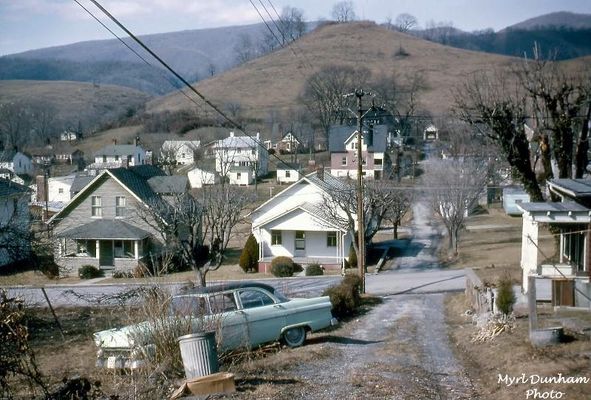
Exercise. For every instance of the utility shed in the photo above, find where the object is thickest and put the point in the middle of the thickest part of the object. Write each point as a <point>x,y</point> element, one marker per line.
<point>513,195</point>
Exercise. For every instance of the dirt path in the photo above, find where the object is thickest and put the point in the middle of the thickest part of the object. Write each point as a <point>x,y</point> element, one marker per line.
<point>399,350</point>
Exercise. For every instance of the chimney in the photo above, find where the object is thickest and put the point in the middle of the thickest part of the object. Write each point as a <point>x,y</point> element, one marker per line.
<point>320,172</point>
<point>137,141</point>
<point>40,183</point>
<point>115,141</point>
<point>231,134</point>
<point>258,135</point>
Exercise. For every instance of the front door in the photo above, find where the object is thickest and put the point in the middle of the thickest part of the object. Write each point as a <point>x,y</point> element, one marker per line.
<point>106,253</point>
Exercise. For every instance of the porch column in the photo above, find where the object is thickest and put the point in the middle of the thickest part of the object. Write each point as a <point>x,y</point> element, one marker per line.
<point>136,249</point>
<point>98,249</point>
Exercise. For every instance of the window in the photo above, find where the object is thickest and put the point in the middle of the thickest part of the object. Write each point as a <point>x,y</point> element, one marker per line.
<point>123,249</point>
<point>238,175</point>
<point>574,247</point>
<point>276,238</point>
<point>253,152</point>
<point>104,158</point>
<point>116,158</point>
<point>254,298</point>
<point>287,174</point>
<point>300,240</point>
<point>86,248</point>
<point>377,161</point>
<point>96,206</point>
<point>344,161</point>
<point>222,302</point>
<point>60,190</point>
<point>187,306</point>
<point>331,239</point>
<point>120,204</point>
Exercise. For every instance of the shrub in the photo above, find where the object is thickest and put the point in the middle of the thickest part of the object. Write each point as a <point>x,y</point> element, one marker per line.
<point>250,255</point>
<point>314,270</point>
<point>122,274</point>
<point>505,296</point>
<point>352,259</point>
<point>297,268</point>
<point>345,297</point>
<point>282,267</point>
<point>89,272</point>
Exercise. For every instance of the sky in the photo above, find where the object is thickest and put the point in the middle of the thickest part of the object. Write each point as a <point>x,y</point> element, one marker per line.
<point>33,24</point>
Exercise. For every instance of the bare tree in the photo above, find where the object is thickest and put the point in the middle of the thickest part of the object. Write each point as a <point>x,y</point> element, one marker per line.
<point>15,123</point>
<point>497,107</point>
<point>244,49</point>
<point>15,233</point>
<point>180,223</point>
<point>454,186</point>
<point>343,11</point>
<point>405,22</point>
<point>211,69</point>
<point>324,93</point>
<point>223,209</point>
<point>561,103</point>
<point>399,207</point>
<point>340,205</point>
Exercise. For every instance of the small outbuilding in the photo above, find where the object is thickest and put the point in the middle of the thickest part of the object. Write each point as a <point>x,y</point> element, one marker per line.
<point>512,196</point>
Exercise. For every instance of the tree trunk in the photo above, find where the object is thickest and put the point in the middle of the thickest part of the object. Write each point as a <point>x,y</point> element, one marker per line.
<point>395,230</point>
<point>201,276</point>
<point>583,147</point>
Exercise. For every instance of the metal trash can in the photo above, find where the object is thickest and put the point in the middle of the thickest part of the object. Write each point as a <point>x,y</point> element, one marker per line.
<point>199,354</point>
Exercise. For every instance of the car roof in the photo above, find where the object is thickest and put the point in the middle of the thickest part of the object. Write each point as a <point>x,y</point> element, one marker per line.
<point>229,286</point>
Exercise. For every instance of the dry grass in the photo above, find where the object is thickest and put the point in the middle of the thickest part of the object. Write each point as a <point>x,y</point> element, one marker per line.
<point>34,278</point>
<point>511,354</point>
<point>494,238</point>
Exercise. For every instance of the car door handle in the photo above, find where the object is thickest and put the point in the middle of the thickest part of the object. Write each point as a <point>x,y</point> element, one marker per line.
<point>278,306</point>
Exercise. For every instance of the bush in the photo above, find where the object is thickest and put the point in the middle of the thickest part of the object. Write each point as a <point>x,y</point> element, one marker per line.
<point>122,274</point>
<point>297,268</point>
<point>250,255</point>
<point>282,267</point>
<point>345,297</point>
<point>314,270</point>
<point>352,259</point>
<point>89,272</point>
<point>505,296</point>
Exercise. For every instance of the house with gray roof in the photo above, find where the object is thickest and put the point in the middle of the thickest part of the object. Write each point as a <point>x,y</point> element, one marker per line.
<point>565,281</point>
<point>342,144</point>
<point>16,161</point>
<point>235,152</point>
<point>118,155</point>
<point>101,224</point>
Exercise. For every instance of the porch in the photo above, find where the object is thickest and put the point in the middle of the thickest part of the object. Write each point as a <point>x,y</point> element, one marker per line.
<point>106,244</point>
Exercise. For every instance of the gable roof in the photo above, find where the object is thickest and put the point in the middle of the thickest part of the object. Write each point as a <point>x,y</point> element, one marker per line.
<point>168,184</point>
<point>9,188</point>
<point>308,208</point>
<point>238,142</point>
<point>117,150</point>
<point>340,134</point>
<point>289,166</point>
<point>177,144</point>
<point>133,179</point>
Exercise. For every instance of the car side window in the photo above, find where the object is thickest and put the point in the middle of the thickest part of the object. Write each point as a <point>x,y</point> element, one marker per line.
<point>222,302</point>
<point>185,306</point>
<point>254,298</point>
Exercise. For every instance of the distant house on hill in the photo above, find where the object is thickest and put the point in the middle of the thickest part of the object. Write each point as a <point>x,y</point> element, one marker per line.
<point>288,172</point>
<point>235,153</point>
<point>119,155</point>
<point>431,133</point>
<point>61,153</point>
<point>18,162</point>
<point>343,151</point>
<point>180,152</point>
<point>68,136</point>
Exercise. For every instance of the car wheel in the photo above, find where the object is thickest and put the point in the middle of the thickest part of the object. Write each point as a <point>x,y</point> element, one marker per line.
<point>294,337</point>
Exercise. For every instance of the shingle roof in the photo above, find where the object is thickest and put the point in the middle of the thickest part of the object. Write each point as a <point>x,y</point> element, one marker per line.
<point>237,142</point>
<point>137,183</point>
<point>338,134</point>
<point>553,207</point>
<point>113,229</point>
<point>287,165</point>
<point>9,188</point>
<point>116,150</point>
<point>79,182</point>
<point>168,184</point>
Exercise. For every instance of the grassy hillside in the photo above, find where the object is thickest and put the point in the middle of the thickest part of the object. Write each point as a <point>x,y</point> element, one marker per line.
<point>75,103</point>
<point>562,19</point>
<point>275,82</point>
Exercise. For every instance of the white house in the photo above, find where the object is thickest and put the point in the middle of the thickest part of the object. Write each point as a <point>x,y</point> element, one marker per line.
<point>14,222</point>
<point>181,151</point>
<point>16,161</point>
<point>240,175</point>
<point>241,151</point>
<point>118,155</point>
<point>293,224</point>
<point>199,177</point>
<point>58,188</point>
<point>68,136</point>
<point>288,172</point>
<point>431,133</point>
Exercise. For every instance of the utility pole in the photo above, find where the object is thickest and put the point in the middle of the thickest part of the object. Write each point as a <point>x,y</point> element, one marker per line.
<point>360,222</point>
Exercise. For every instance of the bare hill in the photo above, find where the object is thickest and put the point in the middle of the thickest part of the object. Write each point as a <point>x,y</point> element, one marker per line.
<point>75,103</point>
<point>562,19</point>
<point>275,82</point>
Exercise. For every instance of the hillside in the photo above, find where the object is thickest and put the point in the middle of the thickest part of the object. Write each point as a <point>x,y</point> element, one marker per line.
<point>560,19</point>
<point>275,82</point>
<point>75,104</point>
<point>192,53</point>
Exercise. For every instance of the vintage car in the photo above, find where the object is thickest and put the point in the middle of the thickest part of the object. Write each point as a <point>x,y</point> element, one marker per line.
<point>244,314</point>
